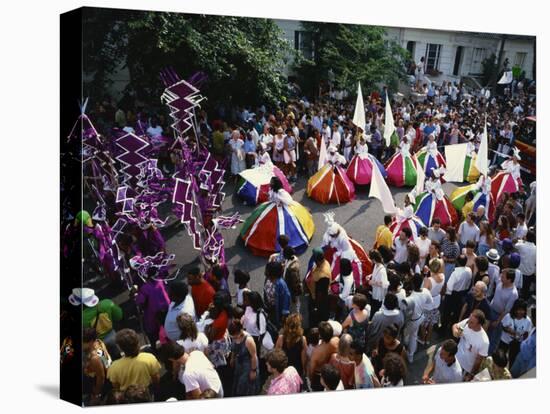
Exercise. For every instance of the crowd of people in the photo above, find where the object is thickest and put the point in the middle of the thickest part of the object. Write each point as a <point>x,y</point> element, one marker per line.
<point>353,320</point>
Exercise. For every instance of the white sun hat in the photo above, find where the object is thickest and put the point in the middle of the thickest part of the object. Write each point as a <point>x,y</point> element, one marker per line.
<point>84,296</point>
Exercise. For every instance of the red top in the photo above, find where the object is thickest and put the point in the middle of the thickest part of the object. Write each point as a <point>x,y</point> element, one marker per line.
<point>220,323</point>
<point>203,295</point>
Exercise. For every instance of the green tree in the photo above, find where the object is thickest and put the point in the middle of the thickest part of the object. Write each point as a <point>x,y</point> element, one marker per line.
<point>489,66</point>
<point>353,53</point>
<point>242,57</point>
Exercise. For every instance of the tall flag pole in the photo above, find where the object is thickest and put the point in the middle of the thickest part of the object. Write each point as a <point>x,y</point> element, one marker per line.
<point>359,114</point>
<point>322,154</point>
<point>482,160</point>
<point>390,132</point>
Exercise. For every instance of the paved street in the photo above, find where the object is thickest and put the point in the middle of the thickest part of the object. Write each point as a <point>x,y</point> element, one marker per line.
<point>360,219</point>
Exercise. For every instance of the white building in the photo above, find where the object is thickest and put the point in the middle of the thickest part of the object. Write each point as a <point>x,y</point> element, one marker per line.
<point>452,55</point>
<point>448,55</point>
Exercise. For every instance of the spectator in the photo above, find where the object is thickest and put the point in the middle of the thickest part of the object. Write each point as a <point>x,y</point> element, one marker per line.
<point>181,303</point>
<point>285,378</point>
<point>321,354</point>
<point>473,346</point>
<point>135,367</point>
<point>201,291</point>
<point>192,369</point>
<point>443,367</point>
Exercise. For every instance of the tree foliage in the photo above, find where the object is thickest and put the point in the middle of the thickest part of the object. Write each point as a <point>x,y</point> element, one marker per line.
<point>353,53</point>
<point>242,57</point>
<point>489,66</point>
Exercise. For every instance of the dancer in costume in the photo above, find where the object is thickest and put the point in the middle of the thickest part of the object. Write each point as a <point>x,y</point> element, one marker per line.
<point>254,184</point>
<point>338,245</point>
<point>481,191</point>
<point>401,168</point>
<point>360,168</point>
<point>429,158</point>
<point>331,184</point>
<point>434,203</point>
<point>509,179</point>
<point>280,215</point>
<point>471,173</point>
<point>406,218</point>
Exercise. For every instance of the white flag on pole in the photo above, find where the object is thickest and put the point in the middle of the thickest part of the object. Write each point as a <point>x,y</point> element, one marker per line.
<point>507,77</point>
<point>322,154</point>
<point>359,114</point>
<point>389,124</point>
<point>455,157</point>
<point>379,189</point>
<point>482,160</point>
<point>420,178</point>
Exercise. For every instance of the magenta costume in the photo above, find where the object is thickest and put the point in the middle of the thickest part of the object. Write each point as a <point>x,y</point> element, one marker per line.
<point>153,299</point>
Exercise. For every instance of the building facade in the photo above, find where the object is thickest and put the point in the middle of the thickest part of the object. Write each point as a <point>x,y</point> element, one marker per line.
<point>448,55</point>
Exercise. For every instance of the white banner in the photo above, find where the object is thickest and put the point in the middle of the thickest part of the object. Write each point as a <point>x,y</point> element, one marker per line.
<point>455,156</point>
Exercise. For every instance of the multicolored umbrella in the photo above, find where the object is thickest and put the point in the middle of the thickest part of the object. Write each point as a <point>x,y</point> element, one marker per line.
<point>331,185</point>
<point>401,170</point>
<point>428,207</point>
<point>269,220</point>
<point>253,185</point>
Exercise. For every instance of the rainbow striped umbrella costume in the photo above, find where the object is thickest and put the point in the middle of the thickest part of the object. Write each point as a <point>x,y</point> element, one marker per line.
<point>280,215</point>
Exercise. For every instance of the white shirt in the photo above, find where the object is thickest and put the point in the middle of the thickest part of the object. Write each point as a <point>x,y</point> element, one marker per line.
<point>521,231</point>
<point>379,275</point>
<point>519,325</point>
<point>200,343</point>
<point>199,373</point>
<point>240,294</point>
<point>420,302</point>
<point>335,139</point>
<point>528,253</point>
<point>249,321</point>
<point>445,374</point>
<point>423,246</point>
<point>471,345</point>
<point>347,288</point>
<point>460,280</point>
<point>468,232</point>
<point>171,327</point>
<point>400,250</point>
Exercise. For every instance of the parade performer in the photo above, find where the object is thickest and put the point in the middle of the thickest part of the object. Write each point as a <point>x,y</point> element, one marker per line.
<point>331,184</point>
<point>253,185</point>
<point>471,173</point>
<point>280,215</point>
<point>338,245</point>
<point>509,179</point>
<point>401,168</point>
<point>482,196</point>
<point>429,157</point>
<point>434,203</point>
<point>406,218</point>
<point>360,168</point>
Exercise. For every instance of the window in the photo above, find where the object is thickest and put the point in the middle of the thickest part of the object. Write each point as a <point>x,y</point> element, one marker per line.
<point>432,56</point>
<point>520,59</point>
<point>478,57</point>
<point>303,41</point>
